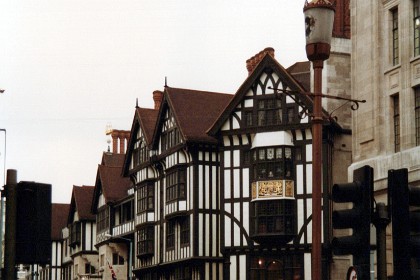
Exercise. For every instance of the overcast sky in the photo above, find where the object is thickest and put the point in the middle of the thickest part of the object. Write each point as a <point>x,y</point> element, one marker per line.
<point>70,67</point>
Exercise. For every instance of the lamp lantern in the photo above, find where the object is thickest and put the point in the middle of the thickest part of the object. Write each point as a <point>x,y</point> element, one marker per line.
<point>319,21</point>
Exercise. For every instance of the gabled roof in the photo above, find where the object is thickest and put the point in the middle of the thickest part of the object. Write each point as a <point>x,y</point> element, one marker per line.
<point>81,202</point>
<point>109,180</point>
<point>59,215</point>
<point>144,119</point>
<point>112,159</point>
<point>266,62</point>
<point>147,119</point>
<point>194,112</point>
<point>114,187</point>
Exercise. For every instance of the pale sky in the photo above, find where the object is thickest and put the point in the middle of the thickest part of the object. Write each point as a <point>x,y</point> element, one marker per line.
<point>70,67</point>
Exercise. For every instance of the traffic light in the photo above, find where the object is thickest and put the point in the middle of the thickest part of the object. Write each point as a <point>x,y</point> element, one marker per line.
<point>358,218</point>
<point>33,223</point>
<point>405,215</point>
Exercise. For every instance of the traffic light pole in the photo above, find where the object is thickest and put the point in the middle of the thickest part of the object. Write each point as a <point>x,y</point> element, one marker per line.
<point>10,236</point>
<point>381,221</point>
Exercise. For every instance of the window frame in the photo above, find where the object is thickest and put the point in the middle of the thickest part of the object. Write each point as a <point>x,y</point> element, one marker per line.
<point>395,36</point>
<point>102,219</point>
<point>170,234</point>
<point>176,184</point>
<point>396,121</point>
<point>417,114</point>
<point>146,197</point>
<point>269,110</point>
<point>89,269</point>
<point>117,259</point>
<point>75,234</point>
<point>273,217</point>
<point>184,236</point>
<point>272,160</point>
<point>171,136</point>
<point>140,152</point>
<point>416,28</point>
<point>145,240</point>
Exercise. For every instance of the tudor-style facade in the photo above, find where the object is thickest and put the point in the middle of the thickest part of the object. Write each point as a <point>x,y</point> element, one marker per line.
<point>113,205</point>
<point>223,182</point>
<point>80,237</point>
<point>266,157</point>
<point>177,186</point>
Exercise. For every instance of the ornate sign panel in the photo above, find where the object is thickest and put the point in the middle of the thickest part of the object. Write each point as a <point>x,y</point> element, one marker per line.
<point>273,189</point>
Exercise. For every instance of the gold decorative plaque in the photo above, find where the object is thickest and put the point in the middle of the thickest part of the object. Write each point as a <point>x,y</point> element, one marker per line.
<point>290,187</point>
<point>270,189</point>
<point>254,190</point>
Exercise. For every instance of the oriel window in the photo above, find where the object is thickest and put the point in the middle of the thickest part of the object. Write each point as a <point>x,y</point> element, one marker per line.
<point>272,163</point>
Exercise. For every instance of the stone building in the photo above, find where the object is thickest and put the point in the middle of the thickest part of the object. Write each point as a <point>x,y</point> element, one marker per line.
<point>386,73</point>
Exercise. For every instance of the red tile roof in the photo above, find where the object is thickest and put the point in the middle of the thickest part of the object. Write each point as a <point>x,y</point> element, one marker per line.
<point>195,111</point>
<point>82,199</point>
<point>114,187</point>
<point>147,119</point>
<point>112,159</point>
<point>59,214</point>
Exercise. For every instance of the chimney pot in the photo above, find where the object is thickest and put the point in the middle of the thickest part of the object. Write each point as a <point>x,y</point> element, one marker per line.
<point>253,61</point>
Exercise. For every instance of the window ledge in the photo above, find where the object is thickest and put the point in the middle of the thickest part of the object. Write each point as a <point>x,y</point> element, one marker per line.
<point>415,59</point>
<point>392,68</point>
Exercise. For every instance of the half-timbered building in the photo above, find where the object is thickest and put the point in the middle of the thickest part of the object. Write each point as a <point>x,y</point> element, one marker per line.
<point>81,234</point>
<point>266,174</point>
<point>176,169</point>
<point>113,205</point>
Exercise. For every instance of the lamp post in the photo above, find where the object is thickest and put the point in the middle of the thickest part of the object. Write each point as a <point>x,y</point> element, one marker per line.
<point>130,262</point>
<point>319,19</point>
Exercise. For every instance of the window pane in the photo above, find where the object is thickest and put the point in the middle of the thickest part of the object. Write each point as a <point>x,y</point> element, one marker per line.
<point>261,154</point>
<point>270,153</point>
<point>261,118</point>
<point>279,153</point>
<point>395,40</point>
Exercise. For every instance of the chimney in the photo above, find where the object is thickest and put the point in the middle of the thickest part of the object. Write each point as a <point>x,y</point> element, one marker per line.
<point>253,61</point>
<point>157,97</point>
<point>121,137</point>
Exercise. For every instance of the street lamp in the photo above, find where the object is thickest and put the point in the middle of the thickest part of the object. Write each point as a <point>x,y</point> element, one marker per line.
<point>319,20</point>
<point>130,264</point>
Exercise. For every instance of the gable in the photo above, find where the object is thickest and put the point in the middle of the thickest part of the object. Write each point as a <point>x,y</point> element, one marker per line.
<point>257,106</point>
<point>186,115</point>
<point>141,137</point>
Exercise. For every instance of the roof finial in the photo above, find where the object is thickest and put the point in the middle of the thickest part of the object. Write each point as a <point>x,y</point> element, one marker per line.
<point>137,102</point>
<point>166,81</point>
